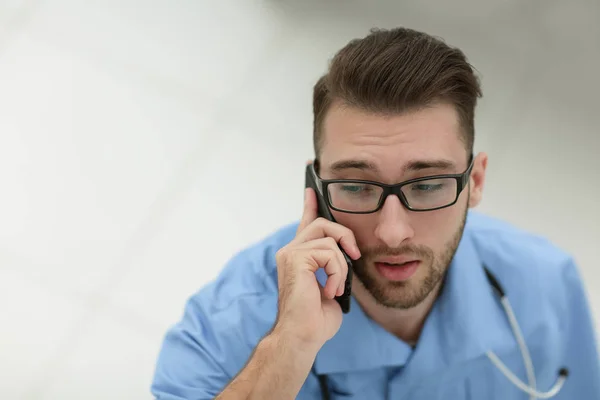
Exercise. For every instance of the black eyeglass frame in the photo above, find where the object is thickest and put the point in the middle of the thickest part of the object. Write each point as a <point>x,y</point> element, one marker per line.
<point>461,183</point>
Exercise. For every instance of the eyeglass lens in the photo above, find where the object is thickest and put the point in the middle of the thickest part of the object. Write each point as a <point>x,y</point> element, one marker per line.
<point>421,195</point>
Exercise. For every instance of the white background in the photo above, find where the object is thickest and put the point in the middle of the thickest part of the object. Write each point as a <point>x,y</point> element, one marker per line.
<point>143,142</point>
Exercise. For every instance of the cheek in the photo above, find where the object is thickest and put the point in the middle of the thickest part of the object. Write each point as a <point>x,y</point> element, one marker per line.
<point>362,225</point>
<point>436,228</point>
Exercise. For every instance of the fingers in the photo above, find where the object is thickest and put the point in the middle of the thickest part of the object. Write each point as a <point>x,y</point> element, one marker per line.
<point>329,243</point>
<point>320,238</point>
<point>323,228</point>
<point>310,209</point>
<point>310,259</point>
<point>328,260</point>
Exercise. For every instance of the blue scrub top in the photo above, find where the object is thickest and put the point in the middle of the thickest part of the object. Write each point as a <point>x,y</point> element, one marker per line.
<point>225,320</point>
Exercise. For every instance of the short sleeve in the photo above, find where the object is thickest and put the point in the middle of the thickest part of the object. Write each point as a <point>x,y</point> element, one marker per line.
<point>191,364</point>
<point>580,343</point>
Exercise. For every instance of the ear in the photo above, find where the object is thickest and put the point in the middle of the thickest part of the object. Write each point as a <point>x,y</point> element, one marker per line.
<point>477,179</point>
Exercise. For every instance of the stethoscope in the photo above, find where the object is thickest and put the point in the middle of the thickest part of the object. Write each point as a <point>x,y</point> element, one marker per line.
<point>530,389</point>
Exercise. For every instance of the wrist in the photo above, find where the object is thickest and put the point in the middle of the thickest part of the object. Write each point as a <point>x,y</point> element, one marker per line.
<point>283,341</point>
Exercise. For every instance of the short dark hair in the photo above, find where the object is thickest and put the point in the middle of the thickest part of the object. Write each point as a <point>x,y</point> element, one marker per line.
<point>397,71</point>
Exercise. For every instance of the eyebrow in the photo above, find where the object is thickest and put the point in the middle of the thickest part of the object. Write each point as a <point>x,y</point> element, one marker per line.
<point>412,166</point>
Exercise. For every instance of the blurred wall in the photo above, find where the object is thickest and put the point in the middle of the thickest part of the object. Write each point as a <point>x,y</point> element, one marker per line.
<point>143,143</point>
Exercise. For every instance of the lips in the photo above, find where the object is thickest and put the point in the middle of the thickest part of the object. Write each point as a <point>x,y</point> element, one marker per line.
<point>397,271</point>
<point>395,260</point>
<point>394,264</point>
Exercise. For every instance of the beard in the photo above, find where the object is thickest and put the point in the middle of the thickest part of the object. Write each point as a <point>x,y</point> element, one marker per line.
<point>410,293</point>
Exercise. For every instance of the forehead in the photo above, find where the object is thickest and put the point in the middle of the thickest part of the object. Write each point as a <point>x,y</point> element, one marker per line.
<point>389,141</point>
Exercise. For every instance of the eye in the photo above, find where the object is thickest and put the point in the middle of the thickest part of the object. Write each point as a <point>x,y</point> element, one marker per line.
<point>353,188</point>
<point>427,187</point>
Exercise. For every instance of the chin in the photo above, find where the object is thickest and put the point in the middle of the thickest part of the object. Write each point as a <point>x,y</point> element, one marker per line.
<point>402,294</point>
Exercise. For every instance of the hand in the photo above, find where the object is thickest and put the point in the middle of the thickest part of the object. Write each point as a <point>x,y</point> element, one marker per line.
<point>307,311</point>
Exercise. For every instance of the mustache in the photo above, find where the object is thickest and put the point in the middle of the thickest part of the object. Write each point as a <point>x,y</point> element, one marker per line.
<point>418,251</point>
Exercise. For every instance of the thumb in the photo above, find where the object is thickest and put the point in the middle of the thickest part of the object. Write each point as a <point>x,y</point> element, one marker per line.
<point>310,212</point>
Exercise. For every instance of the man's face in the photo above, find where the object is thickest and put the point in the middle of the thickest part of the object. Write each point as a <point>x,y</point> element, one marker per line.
<point>394,234</point>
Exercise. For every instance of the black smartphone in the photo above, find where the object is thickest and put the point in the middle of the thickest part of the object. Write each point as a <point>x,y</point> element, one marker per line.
<point>325,212</point>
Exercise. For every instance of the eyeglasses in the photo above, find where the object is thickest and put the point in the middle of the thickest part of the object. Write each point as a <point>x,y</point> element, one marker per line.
<point>421,194</point>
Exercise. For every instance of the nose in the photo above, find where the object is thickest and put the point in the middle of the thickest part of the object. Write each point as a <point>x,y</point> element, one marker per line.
<point>393,227</point>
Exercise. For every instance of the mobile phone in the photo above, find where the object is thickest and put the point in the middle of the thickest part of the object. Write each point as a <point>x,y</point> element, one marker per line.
<point>325,212</point>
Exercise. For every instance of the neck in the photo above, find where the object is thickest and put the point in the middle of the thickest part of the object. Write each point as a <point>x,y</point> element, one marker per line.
<point>406,324</point>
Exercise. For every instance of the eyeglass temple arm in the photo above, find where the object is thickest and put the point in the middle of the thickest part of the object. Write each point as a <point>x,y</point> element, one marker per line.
<point>467,175</point>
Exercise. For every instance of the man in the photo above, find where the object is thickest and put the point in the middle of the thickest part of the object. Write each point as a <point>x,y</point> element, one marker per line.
<point>427,317</point>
